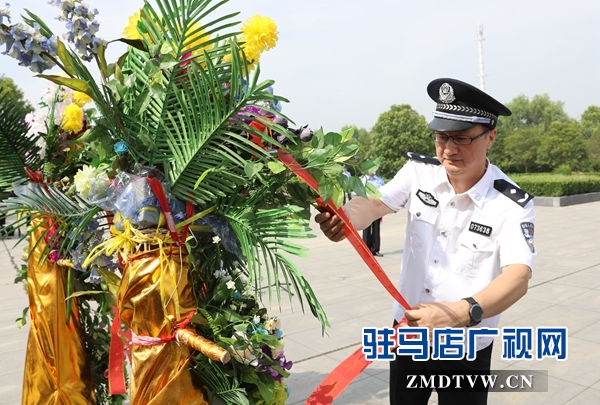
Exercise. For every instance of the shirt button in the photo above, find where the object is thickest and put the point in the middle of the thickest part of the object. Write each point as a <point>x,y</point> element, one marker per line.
<point>436,261</point>
<point>475,246</point>
<point>418,214</point>
<point>444,234</point>
<point>427,290</point>
<point>452,203</point>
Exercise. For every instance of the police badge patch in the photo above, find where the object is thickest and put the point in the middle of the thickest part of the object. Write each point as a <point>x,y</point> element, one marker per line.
<point>427,198</point>
<point>527,229</point>
<point>446,93</point>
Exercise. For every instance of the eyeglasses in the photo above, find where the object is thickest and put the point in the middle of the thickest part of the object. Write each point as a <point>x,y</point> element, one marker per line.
<point>458,140</point>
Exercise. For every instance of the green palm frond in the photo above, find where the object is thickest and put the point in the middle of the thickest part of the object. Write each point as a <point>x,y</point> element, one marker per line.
<point>63,215</point>
<point>190,104</point>
<point>18,151</point>
<point>219,382</point>
<point>263,236</point>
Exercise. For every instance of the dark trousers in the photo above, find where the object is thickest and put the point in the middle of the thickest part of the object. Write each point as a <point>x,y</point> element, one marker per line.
<point>371,236</point>
<point>404,365</point>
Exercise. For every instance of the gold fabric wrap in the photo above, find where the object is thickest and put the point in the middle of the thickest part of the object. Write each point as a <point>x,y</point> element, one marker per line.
<point>56,368</point>
<point>155,288</point>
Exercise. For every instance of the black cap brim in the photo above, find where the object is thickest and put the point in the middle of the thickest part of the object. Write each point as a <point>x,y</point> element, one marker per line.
<point>444,125</point>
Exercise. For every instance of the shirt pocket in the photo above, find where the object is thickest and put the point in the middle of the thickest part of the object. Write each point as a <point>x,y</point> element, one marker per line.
<point>475,254</point>
<point>423,220</point>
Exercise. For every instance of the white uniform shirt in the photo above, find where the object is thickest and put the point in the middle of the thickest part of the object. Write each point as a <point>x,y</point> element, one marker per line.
<point>456,244</point>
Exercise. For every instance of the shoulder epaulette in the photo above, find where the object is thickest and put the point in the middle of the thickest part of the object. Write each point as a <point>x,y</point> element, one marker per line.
<point>421,158</point>
<point>513,192</point>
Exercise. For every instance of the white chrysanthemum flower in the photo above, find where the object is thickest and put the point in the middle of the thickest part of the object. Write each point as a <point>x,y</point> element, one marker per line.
<point>216,239</point>
<point>272,324</point>
<point>230,285</point>
<point>83,178</point>
<point>88,176</point>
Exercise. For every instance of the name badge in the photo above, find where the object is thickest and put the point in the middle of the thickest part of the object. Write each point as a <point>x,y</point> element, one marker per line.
<point>480,229</point>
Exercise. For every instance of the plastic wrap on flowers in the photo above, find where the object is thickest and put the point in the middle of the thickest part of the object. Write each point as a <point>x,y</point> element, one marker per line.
<point>56,369</point>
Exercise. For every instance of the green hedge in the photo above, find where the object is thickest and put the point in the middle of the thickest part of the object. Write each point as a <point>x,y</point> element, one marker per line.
<point>557,185</point>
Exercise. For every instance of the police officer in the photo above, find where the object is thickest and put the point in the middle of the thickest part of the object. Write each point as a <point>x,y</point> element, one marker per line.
<point>468,252</point>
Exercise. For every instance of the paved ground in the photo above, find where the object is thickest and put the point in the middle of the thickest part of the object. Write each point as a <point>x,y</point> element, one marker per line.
<point>564,291</point>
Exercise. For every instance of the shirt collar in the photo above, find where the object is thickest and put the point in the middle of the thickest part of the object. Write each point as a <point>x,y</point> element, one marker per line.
<point>480,190</point>
<point>477,193</point>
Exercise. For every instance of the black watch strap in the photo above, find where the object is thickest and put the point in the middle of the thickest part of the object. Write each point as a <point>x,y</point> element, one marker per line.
<point>475,311</point>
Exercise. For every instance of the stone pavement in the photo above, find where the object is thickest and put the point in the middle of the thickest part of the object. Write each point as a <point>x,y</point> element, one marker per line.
<point>564,291</point>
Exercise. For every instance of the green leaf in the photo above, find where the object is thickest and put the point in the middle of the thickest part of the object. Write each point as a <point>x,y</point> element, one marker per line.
<point>136,43</point>
<point>372,190</point>
<point>142,102</point>
<point>326,189</point>
<point>333,139</point>
<point>347,134</point>
<point>85,292</point>
<point>44,29</point>
<point>168,61</point>
<point>319,156</point>
<point>370,166</point>
<point>75,84</point>
<point>65,58</point>
<point>358,187</point>
<point>252,169</point>
<point>276,167</point>
<point>102,60</point>
<point>112,281</point>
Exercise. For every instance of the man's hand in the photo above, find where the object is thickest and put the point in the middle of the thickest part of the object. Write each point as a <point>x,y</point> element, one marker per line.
<point>439,315</point>
<point>331,225</point>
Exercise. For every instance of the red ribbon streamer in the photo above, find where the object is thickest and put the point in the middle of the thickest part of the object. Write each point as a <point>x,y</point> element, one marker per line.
<point>116,375</point>
<point>350,368</point>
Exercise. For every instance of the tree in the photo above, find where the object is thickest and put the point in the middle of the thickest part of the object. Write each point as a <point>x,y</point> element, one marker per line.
<point>10,91</point>
<point>590,121</point>
<point>563,144</point>
<point>398,130</point>
<point>520,150</point>
<point>540,111</point>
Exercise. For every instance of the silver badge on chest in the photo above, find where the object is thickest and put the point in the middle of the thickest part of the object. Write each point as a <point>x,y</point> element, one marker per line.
<point>446,93</point>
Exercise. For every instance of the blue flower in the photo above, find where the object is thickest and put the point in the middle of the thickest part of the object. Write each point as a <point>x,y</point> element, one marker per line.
<point>4,12</point>
<point>121,148</point>
<point>82,27</point>
<point>95,277</point>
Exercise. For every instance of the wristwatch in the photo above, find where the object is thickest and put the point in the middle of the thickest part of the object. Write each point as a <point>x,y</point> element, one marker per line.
<point>475,311</point>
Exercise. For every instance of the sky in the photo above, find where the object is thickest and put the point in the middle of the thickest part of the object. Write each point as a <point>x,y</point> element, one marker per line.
<point>345,62</point>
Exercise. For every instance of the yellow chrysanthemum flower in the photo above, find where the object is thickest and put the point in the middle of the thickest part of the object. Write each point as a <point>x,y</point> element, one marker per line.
<point>80,98</point>
<point>72,118</point>
<point>260,33</point>
<point>130,31</point>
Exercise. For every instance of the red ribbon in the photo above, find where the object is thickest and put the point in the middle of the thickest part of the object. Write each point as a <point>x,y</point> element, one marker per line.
<point>159,191</point>
<point>350,368</point>
<point>116,375</point>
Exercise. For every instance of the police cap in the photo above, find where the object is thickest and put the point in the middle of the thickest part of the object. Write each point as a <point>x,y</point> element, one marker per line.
<point>461,106</point>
